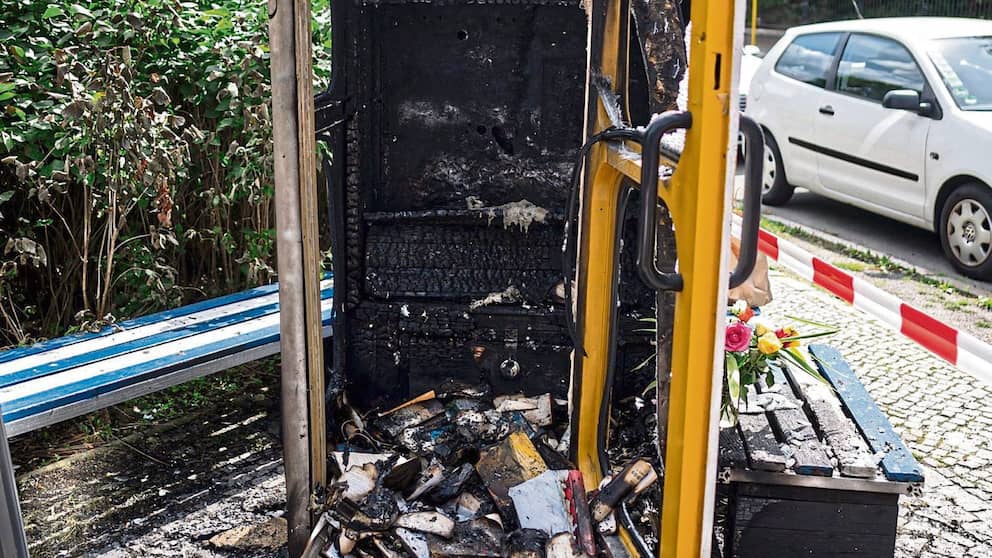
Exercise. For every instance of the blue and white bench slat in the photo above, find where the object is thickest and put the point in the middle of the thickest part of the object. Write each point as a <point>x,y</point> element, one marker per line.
<point>97,370</point>
<point>33,397</point>
<point>122,342</point>
<point>898,465</point>
<point>45,346</point>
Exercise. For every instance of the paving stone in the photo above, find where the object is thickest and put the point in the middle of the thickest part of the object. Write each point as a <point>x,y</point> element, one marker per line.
<point>941,412</point>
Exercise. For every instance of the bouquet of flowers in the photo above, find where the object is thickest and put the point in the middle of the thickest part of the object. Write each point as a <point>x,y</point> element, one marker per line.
<point>752,343</point>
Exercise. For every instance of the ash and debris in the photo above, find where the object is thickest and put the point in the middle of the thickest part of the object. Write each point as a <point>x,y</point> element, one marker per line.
<point>459,472</point>
<point>499,177</point>
<point>507,296</point>
<point>634,422</point>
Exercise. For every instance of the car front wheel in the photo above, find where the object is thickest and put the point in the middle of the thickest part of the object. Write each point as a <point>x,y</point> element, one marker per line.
<point>775,189</point>
<point>966,230</point>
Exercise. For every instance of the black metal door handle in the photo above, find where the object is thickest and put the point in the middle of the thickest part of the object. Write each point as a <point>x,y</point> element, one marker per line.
<point>754,139</point>
<point>827,109</point>
<point>647,226</point>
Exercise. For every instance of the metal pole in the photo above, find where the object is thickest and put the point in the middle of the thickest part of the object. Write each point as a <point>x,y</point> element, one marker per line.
<point>754,22</point>
<point>298,253</point>
<point>12,541</point>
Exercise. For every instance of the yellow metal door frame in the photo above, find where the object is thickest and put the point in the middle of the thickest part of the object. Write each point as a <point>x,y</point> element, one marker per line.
<point>699,201</point>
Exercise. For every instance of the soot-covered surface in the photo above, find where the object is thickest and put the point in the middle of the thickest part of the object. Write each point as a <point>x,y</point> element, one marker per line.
<point>462,122</point>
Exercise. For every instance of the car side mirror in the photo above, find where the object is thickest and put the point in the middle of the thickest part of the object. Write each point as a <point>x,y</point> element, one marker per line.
<point>903,99</point>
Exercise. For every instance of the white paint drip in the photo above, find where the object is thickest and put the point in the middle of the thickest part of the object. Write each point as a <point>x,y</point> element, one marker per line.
<point>508,296</point>
<point>520,214</point>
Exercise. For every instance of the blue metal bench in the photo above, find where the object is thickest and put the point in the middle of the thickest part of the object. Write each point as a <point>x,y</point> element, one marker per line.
<point>66,377</point>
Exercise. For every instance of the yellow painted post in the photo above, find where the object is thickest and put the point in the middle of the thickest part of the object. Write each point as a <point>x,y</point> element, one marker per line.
<point>754,22</point>
<point>700,213</point>
<point>594,277</point>
<point>698,200</point>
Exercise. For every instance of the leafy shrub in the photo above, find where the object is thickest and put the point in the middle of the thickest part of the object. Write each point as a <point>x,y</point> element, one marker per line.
<point>136,158</point>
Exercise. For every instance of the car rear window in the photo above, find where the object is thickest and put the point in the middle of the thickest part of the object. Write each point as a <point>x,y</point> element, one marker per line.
<point>808,58</point>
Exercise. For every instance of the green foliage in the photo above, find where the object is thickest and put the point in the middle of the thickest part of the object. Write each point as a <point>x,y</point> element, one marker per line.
<point>135,156</point>
<point>786,13</point>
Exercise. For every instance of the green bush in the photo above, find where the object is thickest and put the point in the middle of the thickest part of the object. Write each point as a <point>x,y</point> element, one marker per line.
<point>135,167</point>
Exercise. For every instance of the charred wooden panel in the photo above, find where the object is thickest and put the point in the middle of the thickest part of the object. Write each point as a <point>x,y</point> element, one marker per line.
<point>453,110</point>
<point>794,521</point>
<point>428,257</point>
<point>479,101</point>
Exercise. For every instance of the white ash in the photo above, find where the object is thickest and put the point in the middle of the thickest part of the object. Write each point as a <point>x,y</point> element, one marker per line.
<point>508,296</point>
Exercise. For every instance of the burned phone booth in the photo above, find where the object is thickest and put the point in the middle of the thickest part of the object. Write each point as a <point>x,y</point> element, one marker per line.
<point>454,129</point>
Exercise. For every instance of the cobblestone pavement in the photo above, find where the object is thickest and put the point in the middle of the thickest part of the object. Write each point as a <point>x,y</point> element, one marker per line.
<point>943,414</point>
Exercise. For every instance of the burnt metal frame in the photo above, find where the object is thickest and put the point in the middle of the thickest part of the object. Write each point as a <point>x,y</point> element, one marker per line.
<point>697,198</point>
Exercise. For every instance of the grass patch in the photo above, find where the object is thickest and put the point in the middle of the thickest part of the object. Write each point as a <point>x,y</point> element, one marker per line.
<point>867,257</point>
<point>852,266</point>
<point>957,305</point>
<point>983,324</point>
<point>173,402</point>
<point>985,303</point>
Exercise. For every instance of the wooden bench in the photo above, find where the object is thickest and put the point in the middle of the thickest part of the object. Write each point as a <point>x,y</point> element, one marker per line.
<point>66,377</point>
<point>819,473</point>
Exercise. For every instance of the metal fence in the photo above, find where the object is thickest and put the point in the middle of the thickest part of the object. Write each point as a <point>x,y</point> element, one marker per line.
<point>786,13</point>
<point>958,8</point>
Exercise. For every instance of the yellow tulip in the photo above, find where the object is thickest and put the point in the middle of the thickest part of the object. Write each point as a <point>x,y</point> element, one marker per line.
<point>769,343</point>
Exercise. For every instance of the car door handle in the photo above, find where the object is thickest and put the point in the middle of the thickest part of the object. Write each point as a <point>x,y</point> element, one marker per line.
<point>827,109</point>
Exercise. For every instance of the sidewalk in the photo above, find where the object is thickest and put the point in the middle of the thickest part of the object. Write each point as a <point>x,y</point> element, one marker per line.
<point>224,470</point>
<point>941,413</point>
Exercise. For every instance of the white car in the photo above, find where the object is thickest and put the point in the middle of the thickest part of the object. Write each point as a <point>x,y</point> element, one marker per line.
<point>892,115</point>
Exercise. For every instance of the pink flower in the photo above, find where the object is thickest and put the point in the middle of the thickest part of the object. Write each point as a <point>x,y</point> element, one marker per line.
<point>738,337</point>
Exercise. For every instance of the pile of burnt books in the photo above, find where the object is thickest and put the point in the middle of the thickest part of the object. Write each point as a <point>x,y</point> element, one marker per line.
<point>462,474</point>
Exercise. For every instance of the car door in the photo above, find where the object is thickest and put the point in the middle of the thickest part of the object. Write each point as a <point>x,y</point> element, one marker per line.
<point>786,97</point>
<point>867,154</point>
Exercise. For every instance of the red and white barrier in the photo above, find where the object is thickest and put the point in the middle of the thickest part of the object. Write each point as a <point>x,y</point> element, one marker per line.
<point>957,347</point>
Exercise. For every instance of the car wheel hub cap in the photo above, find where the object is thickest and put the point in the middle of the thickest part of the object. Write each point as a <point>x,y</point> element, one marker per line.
<point>969,232</point>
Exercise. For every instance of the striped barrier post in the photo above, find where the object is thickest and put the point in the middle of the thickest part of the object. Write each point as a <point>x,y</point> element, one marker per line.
<point>953,345</point>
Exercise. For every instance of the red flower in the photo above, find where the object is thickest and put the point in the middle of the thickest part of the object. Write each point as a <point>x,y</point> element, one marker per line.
<point>746,315</point>
<point>787,332</point>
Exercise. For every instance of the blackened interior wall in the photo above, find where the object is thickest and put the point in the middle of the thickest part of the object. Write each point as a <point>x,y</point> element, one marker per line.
<point>454,111</point>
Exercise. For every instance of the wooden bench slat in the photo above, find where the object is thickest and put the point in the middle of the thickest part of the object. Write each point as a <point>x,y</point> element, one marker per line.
<point>100,353</point>
<point>760,445</point>
<point>74,354</point>
<point>731,452</point>
<point>51,344</point>
<point>57,379</point>
<point>33,397</point>
<point>898,464</point>
<point>794,428</point>
<point>854,459</point>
